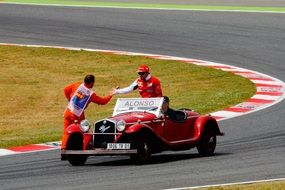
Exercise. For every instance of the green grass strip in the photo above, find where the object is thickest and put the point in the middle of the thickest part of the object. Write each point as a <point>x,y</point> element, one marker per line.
<point>273,185</point>
<point>152,6</point>
<point>32,82</point>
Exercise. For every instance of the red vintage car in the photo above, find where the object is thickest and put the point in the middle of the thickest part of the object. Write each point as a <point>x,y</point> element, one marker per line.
<point>138,128</point>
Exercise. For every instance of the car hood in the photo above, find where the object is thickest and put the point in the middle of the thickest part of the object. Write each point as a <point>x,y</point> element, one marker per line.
<point>133,117</point>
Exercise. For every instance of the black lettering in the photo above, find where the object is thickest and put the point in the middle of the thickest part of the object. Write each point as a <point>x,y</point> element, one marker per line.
<point>127,104</point>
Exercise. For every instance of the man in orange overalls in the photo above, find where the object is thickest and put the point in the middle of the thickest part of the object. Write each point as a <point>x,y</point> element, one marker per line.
<point>147,85</point>
<point>79,95</point>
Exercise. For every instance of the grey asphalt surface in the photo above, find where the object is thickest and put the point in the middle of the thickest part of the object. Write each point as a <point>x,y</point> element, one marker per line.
<point>254,145</point>
<point>268,3</point>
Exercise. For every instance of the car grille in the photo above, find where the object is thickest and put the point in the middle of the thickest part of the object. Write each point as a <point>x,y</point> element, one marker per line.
<point>102,134</point>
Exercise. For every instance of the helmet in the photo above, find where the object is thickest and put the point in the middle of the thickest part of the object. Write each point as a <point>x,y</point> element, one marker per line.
<point>143,69</point>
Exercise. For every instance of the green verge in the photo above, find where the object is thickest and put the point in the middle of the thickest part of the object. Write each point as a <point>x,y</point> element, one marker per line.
<point>277,185</point>
<point>32,82</point>
<point>151,6</point>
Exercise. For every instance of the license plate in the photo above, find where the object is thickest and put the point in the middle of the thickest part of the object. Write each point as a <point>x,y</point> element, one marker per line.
<point>119,146</point>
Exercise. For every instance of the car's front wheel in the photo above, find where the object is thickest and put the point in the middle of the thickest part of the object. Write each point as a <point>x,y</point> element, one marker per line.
<point>143,146</point>
<point>75,142</point>
<point>207,144</point>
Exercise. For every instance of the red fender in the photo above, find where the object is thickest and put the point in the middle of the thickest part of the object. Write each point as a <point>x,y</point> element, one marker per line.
<point>201,123</point>
<point>75,128</point>
<point>137,127</point>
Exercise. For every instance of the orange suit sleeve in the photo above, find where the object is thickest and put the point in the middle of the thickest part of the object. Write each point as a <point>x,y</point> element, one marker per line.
<point>70,89</point>
<point>100,100</point>
<point>67,92</point>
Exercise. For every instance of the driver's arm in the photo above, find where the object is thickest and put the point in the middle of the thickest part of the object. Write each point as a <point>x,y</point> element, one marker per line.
<point>128,89</point>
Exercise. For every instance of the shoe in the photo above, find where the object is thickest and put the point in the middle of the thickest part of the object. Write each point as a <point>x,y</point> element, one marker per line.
<point>63,157</point>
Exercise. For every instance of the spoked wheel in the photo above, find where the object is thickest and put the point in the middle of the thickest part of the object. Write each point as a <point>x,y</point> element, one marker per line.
<point>75,143</point>
<point>143,146</point>
<point>207,144</point>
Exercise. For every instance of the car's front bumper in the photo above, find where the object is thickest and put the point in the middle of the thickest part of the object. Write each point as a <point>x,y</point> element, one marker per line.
<point>100,152</point>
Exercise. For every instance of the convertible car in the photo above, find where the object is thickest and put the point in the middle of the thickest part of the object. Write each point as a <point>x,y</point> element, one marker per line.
<point>138,128</point>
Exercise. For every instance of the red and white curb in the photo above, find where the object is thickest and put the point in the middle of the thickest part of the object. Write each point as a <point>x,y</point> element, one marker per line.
<point>269,91</point>
<point>30,148</point>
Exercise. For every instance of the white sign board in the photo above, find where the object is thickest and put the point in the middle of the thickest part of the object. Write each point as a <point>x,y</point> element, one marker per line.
<point>151,105</point>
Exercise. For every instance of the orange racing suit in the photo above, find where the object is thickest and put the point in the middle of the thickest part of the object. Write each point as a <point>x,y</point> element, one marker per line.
<point>69,116</point>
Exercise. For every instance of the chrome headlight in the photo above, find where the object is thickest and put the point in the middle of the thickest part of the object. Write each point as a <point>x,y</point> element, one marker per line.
<point>121,125</point>
<point>85,125</point>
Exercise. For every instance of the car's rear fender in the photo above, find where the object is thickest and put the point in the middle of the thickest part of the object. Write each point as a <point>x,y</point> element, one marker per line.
<point>75,129</point>
<point>205,121</point>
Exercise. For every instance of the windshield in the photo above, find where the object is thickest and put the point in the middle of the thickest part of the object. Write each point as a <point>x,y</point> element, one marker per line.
<point>151,105</point>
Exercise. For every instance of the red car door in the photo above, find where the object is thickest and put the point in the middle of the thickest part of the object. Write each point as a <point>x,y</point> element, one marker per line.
<point>176,131</point>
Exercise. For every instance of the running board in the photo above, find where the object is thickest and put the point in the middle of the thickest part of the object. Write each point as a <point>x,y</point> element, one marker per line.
<point>100,152</point>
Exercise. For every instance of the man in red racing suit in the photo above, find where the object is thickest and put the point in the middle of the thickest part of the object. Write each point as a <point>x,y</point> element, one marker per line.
<point>147,85</point>
<point>79,95</point>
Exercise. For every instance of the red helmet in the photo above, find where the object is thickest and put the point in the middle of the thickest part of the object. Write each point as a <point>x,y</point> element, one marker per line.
<point>143,69</point>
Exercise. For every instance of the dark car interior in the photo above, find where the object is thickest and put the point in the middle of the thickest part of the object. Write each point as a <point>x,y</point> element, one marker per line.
<point>177,116</point>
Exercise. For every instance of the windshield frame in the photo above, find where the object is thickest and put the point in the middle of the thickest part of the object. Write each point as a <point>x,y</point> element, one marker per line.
<point>128,105</point>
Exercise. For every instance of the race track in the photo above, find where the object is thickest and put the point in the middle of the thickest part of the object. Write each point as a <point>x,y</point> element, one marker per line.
<point>254,145</point>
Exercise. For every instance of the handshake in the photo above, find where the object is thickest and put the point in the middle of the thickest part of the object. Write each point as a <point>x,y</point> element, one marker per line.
<point>114,91</point>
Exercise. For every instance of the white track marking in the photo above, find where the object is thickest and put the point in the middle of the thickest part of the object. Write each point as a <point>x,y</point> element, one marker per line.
<point>4,152</point>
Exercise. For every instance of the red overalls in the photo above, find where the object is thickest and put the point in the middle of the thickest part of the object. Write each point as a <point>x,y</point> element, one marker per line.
<point>149,88</point>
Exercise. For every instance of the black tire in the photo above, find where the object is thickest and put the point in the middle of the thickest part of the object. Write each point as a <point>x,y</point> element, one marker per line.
<point>143,146</point>
<point>76,159</point>
<point>75,142</point>
<point>207,144</point>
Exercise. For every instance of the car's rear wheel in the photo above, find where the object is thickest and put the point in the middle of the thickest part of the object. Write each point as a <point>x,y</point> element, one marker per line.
<point>143,146</point>
<point>75,142</point>
<point>207,144</point>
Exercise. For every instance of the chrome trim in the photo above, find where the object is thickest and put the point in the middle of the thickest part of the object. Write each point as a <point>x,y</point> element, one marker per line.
<point>159,120</point>
<point>110,120</point>
<point>132,123</point>
<point>181,141</point>
<point>100,152</point>
<point>191,117</point>
<point>114,133</point>
<point>145,122</point>
<point>131,111</point>
<point>105,133</point>
<point>139,122</point>
<point>113,121</point>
